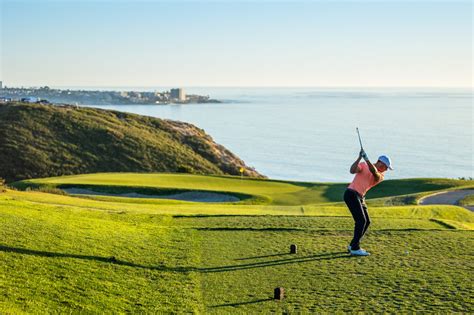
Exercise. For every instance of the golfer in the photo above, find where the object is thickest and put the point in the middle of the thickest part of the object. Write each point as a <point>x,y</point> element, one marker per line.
<point>367,176</point>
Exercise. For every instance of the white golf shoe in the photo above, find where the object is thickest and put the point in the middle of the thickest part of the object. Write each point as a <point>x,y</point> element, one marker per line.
<point>359,252</point>
<point>349,248</point>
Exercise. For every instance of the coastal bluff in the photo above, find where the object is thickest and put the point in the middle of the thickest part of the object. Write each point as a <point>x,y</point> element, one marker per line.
<point>54,140</point>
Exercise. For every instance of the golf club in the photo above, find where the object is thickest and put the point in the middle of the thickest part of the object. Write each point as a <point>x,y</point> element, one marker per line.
<point>360,141</point>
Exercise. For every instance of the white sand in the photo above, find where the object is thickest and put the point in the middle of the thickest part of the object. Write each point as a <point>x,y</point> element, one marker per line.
<point>196,196</point>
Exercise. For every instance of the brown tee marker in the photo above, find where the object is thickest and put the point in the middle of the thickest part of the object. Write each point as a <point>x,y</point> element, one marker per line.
<point>279,294</point>
<point>293,249</point>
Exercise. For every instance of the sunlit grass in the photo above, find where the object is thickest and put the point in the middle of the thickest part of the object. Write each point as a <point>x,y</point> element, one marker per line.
<point>65,254</point>
<point>273,192</point>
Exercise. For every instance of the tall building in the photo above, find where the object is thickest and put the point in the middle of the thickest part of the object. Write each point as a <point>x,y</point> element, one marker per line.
<point>178,94</point>
<point>1,85</point>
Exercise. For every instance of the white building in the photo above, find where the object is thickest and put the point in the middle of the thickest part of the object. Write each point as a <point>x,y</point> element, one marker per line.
<point>178,94</point>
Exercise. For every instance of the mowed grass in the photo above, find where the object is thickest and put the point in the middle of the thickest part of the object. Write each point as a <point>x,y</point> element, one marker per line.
<point>454,216</point>
<point>467,201</point>
<point>409,270</point>
<point>68,254</point>
<point>57,259</point>
<point>272,192</point>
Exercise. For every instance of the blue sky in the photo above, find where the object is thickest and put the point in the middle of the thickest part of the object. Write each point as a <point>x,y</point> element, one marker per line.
<point>229,43</point>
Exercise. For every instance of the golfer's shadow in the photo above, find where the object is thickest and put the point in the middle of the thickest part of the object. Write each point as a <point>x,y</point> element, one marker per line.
<point>269,263</point>
<point>243,303</point>
<point>294,259</point>
<point>264,256</point>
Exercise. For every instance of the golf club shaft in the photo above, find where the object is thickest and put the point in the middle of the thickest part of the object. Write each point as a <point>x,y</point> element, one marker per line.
<point>360,141</point>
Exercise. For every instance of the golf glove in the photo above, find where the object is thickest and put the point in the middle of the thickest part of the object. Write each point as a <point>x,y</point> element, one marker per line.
<point>364,155</point>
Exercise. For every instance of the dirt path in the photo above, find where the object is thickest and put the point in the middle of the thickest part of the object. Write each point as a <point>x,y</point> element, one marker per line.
<point>447,198</point>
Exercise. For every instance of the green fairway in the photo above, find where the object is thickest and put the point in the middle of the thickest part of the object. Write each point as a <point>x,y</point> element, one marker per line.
<point>99,254</point>
<point>467,201</point>
<point>265,191</point>
<point>404,273</point>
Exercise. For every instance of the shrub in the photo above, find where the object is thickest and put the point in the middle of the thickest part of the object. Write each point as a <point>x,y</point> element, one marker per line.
<point>3,188</point>
<point>50,190</point>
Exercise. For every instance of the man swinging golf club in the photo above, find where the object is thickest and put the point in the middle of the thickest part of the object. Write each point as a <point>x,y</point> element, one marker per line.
<point>367,175</point>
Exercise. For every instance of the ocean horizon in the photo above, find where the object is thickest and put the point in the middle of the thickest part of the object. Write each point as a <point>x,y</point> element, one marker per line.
<point>308,134</point>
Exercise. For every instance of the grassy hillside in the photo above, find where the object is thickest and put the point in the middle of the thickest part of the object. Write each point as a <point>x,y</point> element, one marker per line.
<point>264,191</point>
<point>45,140</point>
<point>467,201</point>
<point>67,254</point>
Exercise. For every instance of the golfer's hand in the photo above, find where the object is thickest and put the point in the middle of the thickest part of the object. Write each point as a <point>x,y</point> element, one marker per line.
<point>364,155</point>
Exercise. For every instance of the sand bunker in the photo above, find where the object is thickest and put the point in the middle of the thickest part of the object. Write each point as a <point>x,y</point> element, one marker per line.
<point>196,196</point>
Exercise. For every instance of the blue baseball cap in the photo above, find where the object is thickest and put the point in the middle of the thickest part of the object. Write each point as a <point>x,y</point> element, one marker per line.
<point>386,160</point>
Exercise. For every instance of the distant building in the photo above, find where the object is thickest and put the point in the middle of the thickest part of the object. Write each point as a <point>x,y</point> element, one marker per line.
<point>1,85</point>
<point>133,94</point>
<point>178,94</point>
<point>174,93</point>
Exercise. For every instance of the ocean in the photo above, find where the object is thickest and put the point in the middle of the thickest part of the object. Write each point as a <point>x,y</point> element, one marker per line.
<point>309,134</point>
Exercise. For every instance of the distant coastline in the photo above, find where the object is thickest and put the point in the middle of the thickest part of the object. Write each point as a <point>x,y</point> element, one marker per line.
<point>46,94</point>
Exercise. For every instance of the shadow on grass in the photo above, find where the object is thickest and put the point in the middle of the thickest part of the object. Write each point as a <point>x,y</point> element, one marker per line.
<point>26,251</point>
<point>249,229</point>
<point>243,303</point>
<point>264,256</point>
<point>277,262</point>
<point>113,260</point>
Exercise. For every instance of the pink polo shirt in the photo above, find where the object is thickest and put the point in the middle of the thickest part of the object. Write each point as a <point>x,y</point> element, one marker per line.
<point>364,180</point>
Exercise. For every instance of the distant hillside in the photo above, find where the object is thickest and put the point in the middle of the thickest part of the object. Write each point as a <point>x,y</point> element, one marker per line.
<point>46,140</point>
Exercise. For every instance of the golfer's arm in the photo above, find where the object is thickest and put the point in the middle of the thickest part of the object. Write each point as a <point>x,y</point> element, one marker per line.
<point>355,166</point>
<point>373,170</point>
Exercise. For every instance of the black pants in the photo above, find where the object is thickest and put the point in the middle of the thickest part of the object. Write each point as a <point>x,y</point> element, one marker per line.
<point>358,208</point>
